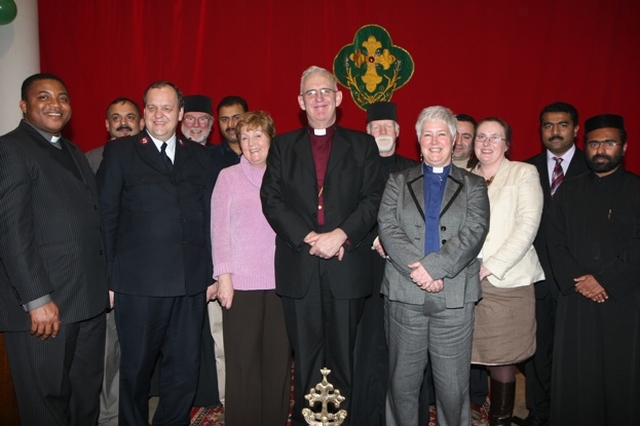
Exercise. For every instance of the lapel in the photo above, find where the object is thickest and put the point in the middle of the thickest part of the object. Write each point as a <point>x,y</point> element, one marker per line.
<point>147,150</point>
<point>302,148</point>
<point>578,164</point>
<point>543,169</point>
<point>76,156</point>
<point>183,150</point>
<point>339,148</point>
<point>64,172</point>
<point>452,189</point>
<point>415,183</point>
<point>88,177</point>
<point>501,176</point>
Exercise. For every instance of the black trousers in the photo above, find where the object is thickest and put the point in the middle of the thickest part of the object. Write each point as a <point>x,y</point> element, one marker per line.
<point>371,359</point>
<point>538,368</point>
<point>322,331</point>
<point>148,327</point>
<point>207,394</point>
<point>57,381</point>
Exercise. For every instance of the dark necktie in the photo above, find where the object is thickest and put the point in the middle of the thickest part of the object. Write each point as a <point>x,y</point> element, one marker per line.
<point>165,157</point>
<point>557,176</point>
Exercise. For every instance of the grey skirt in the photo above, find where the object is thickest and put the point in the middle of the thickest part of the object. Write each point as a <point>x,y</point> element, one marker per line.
<point>505,325</point>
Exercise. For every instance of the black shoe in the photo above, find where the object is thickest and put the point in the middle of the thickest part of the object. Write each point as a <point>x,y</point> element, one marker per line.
<point>532,420</point>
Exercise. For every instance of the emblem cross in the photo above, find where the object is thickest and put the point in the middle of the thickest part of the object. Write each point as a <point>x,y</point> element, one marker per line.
<point>373,57</point>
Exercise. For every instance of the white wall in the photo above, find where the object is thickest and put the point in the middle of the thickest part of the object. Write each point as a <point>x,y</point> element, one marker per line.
<point>19,58</point>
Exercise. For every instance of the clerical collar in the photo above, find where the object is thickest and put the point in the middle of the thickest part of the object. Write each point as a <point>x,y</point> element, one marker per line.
<point>436,170</point>
<point>320,133</point>
<point>53,139</point>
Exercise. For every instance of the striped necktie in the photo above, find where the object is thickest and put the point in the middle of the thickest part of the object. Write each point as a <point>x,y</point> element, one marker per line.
<point>557,176</point>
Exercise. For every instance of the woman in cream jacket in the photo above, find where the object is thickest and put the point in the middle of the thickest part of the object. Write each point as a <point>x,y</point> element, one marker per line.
<point>505,326</point>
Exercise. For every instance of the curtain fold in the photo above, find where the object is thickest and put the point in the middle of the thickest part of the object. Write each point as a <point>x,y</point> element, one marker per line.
<point>506,58</point>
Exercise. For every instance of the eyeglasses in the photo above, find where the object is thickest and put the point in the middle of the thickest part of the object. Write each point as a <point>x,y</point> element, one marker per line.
<point>608,143</point>
<point>204,120</point>
<point>491,138</point>
<point>324,92</point>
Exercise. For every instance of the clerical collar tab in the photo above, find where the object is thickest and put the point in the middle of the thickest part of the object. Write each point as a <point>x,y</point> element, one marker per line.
<point>320,132</point>
<point>55,139</point>
<point>438,169</point>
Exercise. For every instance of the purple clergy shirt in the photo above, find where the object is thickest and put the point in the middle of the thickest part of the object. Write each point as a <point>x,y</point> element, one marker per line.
<point>321,148</point>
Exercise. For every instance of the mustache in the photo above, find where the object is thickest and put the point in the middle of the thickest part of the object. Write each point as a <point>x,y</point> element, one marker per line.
<point>603,156</point>
<point>557,137</point>
<point>124,127</point>
<point>231,129</point>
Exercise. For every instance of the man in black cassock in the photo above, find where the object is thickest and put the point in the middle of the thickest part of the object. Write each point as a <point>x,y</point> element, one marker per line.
<point>594,247</point>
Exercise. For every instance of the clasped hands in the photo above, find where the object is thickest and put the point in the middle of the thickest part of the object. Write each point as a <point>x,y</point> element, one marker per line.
<point>326,245</point>
<point>590,288</point>
<point>423,279</point>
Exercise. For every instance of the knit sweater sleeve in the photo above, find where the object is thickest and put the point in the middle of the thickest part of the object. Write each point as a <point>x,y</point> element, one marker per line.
<point>221,232</point>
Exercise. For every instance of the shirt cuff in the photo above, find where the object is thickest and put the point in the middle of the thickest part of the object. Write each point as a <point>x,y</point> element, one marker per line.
<point>37,303</point>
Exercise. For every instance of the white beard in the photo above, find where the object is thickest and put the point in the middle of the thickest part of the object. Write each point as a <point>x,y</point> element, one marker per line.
<point>201,138</point>
<point>385,143</point>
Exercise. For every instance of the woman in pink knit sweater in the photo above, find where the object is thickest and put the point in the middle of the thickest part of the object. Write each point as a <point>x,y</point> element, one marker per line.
<point>257,350</point>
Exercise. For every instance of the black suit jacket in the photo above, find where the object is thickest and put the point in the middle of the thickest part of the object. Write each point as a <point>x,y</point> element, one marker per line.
<point>353,186</point>
<point>50,231</point>
<point>577,167</point>
<point>156,220</point>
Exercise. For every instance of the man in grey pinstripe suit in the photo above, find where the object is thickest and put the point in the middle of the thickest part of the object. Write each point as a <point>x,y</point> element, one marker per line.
<point>53,284</point>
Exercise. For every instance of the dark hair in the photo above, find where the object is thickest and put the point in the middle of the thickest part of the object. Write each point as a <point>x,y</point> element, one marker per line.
<point>504,124</point>
<point>468,119</point>
<point>122,101</point>
<point>228,101</point>
<point>159,85</point>
<point>257,120</point>
<point>465,118</point>
<point>561,107</point>
<point>28,82</point>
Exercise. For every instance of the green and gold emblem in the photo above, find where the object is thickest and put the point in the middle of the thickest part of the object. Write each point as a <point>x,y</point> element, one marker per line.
<point>372,67</point>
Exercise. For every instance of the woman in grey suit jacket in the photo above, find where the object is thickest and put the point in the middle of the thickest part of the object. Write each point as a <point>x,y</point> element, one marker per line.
<point>433,219</point>
<point>505,317</point>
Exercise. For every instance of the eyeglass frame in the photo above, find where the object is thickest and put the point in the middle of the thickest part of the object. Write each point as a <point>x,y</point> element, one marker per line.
<point>313,93</point>
<point>492,138</point>
<point>202,120</point>
<point>608,143</point>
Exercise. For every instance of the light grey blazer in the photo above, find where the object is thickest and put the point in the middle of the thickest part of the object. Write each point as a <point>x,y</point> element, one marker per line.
<point>464,223</point>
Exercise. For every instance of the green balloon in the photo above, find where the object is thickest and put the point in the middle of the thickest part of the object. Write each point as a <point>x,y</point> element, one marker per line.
<point>8,11</point>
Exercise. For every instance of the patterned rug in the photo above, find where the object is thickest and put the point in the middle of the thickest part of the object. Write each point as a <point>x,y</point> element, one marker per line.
<point>203,416</point>
<point>214,416</point>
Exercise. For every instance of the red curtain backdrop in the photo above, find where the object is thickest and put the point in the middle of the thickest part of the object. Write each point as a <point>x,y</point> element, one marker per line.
<point>502,57</point>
